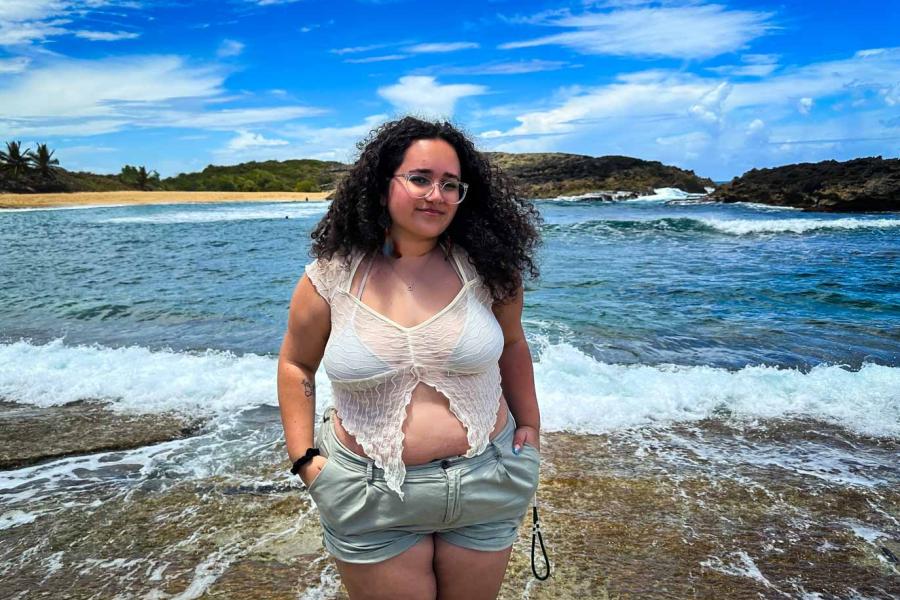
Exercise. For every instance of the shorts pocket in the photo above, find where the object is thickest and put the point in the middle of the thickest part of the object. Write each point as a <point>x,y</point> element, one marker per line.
<point>528,445</point>
<point>314,484</point>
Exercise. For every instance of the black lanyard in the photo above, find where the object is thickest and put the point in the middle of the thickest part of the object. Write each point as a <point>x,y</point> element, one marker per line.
<point>536,534</point>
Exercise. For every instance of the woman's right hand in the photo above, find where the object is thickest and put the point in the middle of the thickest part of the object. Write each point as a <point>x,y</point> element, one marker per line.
<point>310,471</point>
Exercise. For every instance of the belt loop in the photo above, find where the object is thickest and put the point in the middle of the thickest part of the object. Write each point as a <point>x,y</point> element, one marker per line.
<point>370,472</point>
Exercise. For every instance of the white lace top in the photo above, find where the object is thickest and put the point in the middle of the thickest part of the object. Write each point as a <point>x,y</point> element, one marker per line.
<point>374,363</point>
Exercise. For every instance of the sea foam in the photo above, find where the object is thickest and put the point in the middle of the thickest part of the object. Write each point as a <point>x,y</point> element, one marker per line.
<point>576,392</point>
<point>240,212</point>
<point>752,226</point>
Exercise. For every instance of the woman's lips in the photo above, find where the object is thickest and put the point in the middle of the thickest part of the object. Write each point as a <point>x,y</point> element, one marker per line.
<point>429,211</point>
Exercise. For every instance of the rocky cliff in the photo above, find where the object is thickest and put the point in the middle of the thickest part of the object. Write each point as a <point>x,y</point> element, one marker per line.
<point>548,175</point>
<point>859,185</point>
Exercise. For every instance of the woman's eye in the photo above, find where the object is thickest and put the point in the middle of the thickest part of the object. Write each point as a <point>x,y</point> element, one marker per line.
<point>419,180</point>
<point>450,186</point>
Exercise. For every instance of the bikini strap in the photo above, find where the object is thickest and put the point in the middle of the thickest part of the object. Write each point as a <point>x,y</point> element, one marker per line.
<point>362,284</point>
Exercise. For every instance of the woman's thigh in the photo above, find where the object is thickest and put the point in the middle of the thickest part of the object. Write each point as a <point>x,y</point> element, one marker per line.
<point>410,574</point>
<point>466,574</point>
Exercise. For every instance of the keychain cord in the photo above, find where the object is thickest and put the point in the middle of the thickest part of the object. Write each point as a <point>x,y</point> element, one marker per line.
<point>536,533</point>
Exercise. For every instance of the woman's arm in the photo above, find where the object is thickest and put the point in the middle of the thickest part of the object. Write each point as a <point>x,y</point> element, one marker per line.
<point>517,372</point>
<point>308,328</point>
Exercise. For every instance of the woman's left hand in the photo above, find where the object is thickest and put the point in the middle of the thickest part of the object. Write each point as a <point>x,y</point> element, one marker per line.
<point>526,434</point>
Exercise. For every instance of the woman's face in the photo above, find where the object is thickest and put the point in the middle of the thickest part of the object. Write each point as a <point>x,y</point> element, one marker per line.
<point>428,217</point>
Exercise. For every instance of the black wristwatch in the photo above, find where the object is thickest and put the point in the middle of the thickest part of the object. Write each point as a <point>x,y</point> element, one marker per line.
<point>310,452</point>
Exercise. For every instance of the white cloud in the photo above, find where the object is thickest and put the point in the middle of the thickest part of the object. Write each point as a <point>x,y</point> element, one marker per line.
<point>440,48</point>
<point>106,36</point>
<point>372,59</point>
<point>691,145</point>
<point>358,49</point>
<point>322,143</point>
<point>692,31</point>
<point>757,133</point>
<point>423,95</point>
<point>503,68</point>
<point>25,21</point>
<point>709,108</point>
<point>229,48</point>
<point>755,65</point>
<point>657,92</point>
<point>30,10</point>
<point>79,128</point>
<point>891,94</point>
<point>745,70</point>
<point>805,105</point>
<point>14,34</point>
<point>81,98</point>
<point>249,140</point>
<point>232,118</point>
<point>105,88</point>
<point>647,113</point>
<point>14,65</point>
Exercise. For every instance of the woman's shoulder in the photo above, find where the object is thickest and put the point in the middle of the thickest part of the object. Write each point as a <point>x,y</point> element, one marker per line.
<point>465,262</point>
<point>327,274</point>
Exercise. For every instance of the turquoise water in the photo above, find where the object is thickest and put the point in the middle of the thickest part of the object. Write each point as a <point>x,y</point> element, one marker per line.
<point>650,282</point>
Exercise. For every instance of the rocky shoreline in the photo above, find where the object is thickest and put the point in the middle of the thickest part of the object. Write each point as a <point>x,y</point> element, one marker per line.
<point>859,185</point>
<point>33,435</point>
<point>549,175</point>
<point>624,515</point>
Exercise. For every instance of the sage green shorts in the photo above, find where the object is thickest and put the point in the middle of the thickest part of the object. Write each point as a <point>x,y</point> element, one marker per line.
<point>476,502</point>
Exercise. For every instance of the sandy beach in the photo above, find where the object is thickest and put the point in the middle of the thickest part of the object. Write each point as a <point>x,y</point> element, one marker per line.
<point>136,197</point>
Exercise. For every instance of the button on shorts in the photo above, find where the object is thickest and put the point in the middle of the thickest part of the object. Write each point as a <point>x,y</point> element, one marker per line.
<point>477,502</point>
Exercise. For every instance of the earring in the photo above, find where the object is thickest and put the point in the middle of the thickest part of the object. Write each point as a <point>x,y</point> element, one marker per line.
<point>387,248</point>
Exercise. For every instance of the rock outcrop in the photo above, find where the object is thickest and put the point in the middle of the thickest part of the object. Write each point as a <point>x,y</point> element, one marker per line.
<point>859,185</point>
<point>33,434</point>
<point>557,174</point>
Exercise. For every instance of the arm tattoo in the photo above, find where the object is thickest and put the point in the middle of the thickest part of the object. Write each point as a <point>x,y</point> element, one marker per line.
<point>309,388</point>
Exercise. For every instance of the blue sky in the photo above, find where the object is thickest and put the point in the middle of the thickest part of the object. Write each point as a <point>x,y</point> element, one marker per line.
<point>718,88</point>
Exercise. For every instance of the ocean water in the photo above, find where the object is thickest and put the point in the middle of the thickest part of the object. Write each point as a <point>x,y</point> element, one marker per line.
<point>651,316</point>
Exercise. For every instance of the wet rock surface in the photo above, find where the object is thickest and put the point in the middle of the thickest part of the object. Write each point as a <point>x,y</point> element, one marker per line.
<point>640,514</point>
<point>859,185</point>
<point>32,434</point>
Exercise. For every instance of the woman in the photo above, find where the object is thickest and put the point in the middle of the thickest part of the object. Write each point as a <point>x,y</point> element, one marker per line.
<point>425,466</point>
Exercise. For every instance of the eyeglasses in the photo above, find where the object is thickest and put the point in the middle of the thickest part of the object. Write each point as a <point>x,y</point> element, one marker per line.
<point>421,186</point>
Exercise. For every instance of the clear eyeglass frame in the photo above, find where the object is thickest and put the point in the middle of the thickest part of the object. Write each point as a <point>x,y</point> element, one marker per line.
<point>427,185</point>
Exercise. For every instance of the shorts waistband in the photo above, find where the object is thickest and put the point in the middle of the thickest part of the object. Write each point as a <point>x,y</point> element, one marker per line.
<point>351,460</point>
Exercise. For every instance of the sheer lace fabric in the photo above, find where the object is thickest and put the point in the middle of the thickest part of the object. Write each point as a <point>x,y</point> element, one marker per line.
<point>374,363</point>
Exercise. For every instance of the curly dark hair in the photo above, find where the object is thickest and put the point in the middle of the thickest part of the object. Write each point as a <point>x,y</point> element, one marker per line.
<point>499,230</point>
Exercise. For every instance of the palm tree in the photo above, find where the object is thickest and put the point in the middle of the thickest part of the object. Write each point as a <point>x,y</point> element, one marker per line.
<point>14,159</point>
<point>143,178</point>
<point>43,161</point>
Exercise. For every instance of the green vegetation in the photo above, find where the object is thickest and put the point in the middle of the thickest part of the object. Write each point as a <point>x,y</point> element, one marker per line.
<point>305,175</point>
<point>537,175</point>
<point>139,178</point>
<point>25,171</point>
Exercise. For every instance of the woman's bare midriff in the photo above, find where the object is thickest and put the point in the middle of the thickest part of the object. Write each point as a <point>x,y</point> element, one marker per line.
<point>431,430</point>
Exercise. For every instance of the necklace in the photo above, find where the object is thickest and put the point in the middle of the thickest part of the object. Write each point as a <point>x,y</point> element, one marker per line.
<point>410,286</point>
